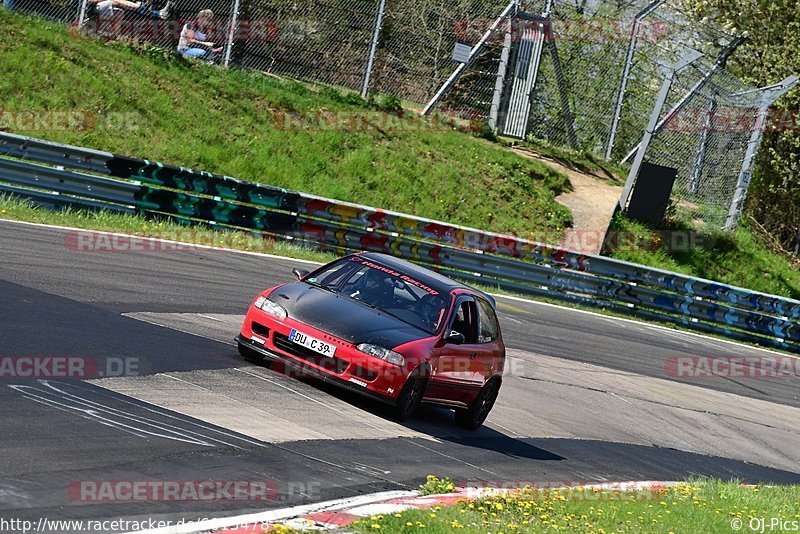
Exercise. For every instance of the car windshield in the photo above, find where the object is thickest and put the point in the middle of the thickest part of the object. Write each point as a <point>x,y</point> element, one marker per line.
<point>384,289</point>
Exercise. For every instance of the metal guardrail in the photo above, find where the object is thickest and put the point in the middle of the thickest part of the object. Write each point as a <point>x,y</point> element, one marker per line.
<point>473,255</point>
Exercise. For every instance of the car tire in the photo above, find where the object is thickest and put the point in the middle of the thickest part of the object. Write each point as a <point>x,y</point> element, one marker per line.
<point>473,417</point>
<point>252,356</point>
<point>410,396</point>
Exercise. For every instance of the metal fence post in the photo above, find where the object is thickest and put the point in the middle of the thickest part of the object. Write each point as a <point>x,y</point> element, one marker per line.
<point>626,73</point>
<point>702,147</point>
<point>650,131</point>
<point>509,11</point>
<point>81,13</point>
<point>500,81</point>
<point>231,32</point>
<point>562,90</point>
<point>373,48</point>
<point>720,63</point>
<point>742,185</point>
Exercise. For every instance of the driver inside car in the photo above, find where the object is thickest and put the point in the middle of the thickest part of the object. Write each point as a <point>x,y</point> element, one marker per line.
<point>378,289</point>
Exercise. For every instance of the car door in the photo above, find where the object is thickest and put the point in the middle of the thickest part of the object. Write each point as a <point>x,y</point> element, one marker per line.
<point>454,369</point>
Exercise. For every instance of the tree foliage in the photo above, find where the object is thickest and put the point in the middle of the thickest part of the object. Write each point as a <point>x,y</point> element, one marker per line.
<point>771,53</point>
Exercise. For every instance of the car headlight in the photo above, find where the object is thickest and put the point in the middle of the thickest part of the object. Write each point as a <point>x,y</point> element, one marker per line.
<point>382,353</point>
<point>264,304</point>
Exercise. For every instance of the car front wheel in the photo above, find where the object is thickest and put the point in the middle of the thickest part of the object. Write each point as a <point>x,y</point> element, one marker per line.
<point>410,396</point>
<point>473,417</point>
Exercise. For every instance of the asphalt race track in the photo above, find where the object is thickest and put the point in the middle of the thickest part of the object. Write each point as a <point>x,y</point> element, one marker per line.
<point>585,397</point>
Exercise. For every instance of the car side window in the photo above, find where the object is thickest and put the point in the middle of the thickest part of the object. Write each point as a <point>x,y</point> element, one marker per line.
<point>466,321</point>
<point>488,323</point>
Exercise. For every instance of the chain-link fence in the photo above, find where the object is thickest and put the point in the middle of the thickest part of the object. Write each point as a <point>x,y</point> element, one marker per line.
<point>666,34</point>
<point>583,75</point>
<point>66,11</point>
<point>711,137</point>
<point>324,41</point>
<point>415,55</point>
<point>705,140</point>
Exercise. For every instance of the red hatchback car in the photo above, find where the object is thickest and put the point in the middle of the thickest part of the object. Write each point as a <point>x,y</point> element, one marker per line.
<point>387,329</point>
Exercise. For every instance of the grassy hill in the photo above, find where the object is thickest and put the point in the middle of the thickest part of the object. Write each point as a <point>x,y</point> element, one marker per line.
<point>231,122</point>
<point>741,258</point>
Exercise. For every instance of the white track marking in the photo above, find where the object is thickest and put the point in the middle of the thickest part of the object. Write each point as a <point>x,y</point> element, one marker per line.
<point>277,515</point>
<point>317,401</point>
<point>143,316</point>
<point>643,324</point>
<point>94,412</point>
<point>325,436</point>
<point>91,410</point>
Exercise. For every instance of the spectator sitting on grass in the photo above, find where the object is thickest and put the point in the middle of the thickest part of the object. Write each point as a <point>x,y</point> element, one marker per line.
<point>193,42</point>
<point>110,9</point>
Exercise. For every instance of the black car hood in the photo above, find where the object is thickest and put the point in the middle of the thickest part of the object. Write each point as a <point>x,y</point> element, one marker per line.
<point>343,317</point>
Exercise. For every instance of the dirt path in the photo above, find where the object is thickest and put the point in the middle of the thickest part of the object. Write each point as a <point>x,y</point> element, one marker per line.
<point>592,203</point>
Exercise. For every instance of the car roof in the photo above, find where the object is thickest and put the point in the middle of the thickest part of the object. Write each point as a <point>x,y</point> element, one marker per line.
<point>430,278</point>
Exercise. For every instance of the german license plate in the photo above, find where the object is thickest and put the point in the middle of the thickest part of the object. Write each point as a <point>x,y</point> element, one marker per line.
<point>326,349</point>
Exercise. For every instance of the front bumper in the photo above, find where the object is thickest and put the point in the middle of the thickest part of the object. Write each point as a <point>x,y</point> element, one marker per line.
<point>351,369</point>
<point>308,370</point>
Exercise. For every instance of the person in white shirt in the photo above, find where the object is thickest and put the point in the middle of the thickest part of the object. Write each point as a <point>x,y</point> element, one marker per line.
<point>194,40</point>
<point>109,9</point>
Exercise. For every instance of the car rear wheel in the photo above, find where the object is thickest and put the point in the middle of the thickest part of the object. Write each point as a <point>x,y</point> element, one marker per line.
<point>473,417</point>
<point>410,396</point>
<point>252,356</point>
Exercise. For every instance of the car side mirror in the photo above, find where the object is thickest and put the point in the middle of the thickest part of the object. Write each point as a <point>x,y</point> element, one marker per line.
<point>299,273</point>
<point>456,338</point>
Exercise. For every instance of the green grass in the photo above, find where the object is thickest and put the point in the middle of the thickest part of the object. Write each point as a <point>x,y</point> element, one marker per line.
<point>580,161</point>
<point>221,121</point>
<point>23,210</point>
<point>695,506</point>
<point>739,258</point>
<point>436,486</point>
<point>229,122</point>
